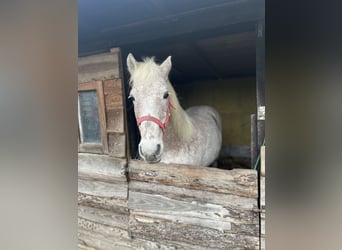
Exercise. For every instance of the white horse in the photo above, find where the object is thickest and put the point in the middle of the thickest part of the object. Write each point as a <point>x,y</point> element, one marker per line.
<point>170,134</point>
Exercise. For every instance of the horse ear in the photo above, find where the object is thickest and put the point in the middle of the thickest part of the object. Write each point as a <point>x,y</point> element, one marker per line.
<point>131,63</point>
<point>166,66</point>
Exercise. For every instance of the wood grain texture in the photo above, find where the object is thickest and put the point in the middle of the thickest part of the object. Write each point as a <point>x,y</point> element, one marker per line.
<point>98,67</point>
<point>115,120</point>
<point>104,217</point>
<point>117,145</point>
<point>193,213</point>
<point>184,194</point>
<point>262,193</point>
<point>262,161</point>
<point>113,93</point>
<point>91,240</point>
<point>106,203</point>
<point>101,167</point>
<point>178,232</point>
<point>99,240</point>
<point>103,189</point>
<point>242,182</point>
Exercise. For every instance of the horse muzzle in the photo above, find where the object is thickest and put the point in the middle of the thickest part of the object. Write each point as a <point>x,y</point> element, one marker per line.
<point>150,152</point>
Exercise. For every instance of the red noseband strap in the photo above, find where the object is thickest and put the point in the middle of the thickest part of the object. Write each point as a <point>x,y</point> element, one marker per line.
<point>161,124</point>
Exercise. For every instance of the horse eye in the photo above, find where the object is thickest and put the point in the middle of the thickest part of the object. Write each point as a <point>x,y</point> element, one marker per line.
<point>131,98</point>
<point>166,95</point>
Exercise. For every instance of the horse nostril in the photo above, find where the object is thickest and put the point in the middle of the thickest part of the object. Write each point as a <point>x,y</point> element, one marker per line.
<point>158,149</point>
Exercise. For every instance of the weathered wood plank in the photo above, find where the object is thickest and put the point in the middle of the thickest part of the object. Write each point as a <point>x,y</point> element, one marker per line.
<point>184,194</point>
<point>101,167</point>
<point>115,120</point>
<point>104,217</point>
<point>262,161</point>
<point>113,94</point>
<point>241,182</point>
<point>99,241</point>
<point>106,203</point>
<point>106,230</point>
<point>117,145</point>
<point>192,213</point>
<point>103,189</point>
<point>90,240</point>
<point>206,237</point>
<point>98,67</point>
<point>262,192</point>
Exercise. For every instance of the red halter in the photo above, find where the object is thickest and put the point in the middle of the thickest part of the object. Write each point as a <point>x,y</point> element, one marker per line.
<point>161,124</point>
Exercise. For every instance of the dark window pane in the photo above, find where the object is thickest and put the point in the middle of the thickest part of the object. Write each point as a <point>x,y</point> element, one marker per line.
<point>89,116</point>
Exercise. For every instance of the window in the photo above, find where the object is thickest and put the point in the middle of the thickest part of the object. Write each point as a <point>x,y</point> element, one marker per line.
<point>92,118</point>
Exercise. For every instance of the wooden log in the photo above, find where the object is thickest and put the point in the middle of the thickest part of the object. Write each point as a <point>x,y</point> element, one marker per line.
<point>103,229</point>
<point>178,232</point>
<point>117,145</point>
<point>242,182</point>
<point>193,213</point>
<point>90,240</point>
<point>103,189</point>
<point>179,193</point>
<point>104,217</point>
<point>106,203</point>
<point>101,167</point>
<point>98,67</point>
<point>94,240</point>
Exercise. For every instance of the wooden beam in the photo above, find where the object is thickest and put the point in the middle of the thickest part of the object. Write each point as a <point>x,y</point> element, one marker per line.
<point>242,182</point>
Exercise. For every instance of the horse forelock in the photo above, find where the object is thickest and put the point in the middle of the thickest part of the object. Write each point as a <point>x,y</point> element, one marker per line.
<point>146,72</point>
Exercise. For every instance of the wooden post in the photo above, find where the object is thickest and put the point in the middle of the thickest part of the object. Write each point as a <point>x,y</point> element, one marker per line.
<point>260,80</point>
<point>254,139</point>
<point>260,94</point>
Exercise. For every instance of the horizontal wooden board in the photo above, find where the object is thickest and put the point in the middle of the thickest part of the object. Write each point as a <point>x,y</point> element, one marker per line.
<point>242,182</point>
<point>100,228</point>
<point>98,240</point>
<point>103,189</point>
<point>98,67</point>
<point>101,167</point>
<point>104,217</point>
<point>193,213</point>
<point>106,203</point>
<point>117,145</point>
<point>91,240</point>
<point>155,229</point>
<point>184,194</point>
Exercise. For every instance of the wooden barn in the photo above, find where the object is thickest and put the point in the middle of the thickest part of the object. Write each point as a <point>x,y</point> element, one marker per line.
<point>217,50</point>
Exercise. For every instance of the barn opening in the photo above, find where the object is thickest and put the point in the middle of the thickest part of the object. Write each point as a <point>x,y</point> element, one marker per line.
<point>215,70</point>
<point>213,49</point>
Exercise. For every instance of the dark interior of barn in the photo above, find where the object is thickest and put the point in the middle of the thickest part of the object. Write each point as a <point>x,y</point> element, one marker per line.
<point>213,48</point>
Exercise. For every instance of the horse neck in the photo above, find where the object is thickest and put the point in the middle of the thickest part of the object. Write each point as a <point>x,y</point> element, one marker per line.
<point>179,119</point>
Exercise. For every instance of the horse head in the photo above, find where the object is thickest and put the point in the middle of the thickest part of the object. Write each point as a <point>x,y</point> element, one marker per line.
<point>151,98</point>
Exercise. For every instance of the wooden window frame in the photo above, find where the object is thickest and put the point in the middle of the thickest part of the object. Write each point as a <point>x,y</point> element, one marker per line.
<point>99,148</point>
